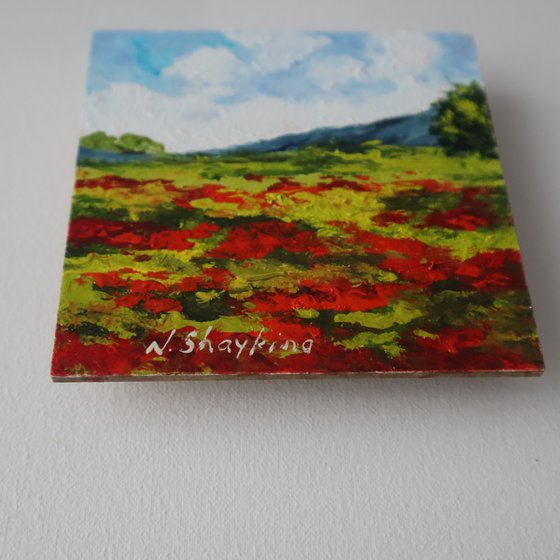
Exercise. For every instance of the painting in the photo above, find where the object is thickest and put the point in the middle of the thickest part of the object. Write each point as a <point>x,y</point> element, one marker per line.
<point>289,204</point>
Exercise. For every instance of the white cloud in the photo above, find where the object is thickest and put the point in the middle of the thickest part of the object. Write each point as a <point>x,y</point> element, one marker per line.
<point>336,69</point>
<point>278,51</point>
<point>175,121</point>
<point>206,65</point>
<point>406,55</point>
<point>196,122</point>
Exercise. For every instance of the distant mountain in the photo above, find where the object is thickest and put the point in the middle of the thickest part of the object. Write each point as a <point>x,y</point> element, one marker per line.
<point>409,130</point>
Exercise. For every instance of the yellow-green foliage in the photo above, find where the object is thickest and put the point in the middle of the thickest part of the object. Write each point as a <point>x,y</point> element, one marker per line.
<point>334,195</point>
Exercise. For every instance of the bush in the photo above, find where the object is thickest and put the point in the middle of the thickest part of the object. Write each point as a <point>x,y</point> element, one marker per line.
<point>126,143</point>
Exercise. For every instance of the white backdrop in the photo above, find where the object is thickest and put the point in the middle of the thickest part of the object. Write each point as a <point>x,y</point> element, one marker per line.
<point>353,469</point>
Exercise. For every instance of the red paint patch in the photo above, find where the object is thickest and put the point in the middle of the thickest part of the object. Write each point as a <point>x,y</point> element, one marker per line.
<point>494,271</point>
<point>162,305</point>
<point>338,295</point>
<point>254,177</point>
<point>257,240</point>
<point>116,357</point>
<point>386,218</point>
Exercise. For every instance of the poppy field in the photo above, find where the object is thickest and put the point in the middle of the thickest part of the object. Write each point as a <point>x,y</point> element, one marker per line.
<point>387,261</point>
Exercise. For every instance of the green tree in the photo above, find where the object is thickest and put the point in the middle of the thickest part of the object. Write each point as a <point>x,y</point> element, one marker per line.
<point>135,143</point>
<point>99,141</point>
<point>126,143</point>
<point>463,124</point>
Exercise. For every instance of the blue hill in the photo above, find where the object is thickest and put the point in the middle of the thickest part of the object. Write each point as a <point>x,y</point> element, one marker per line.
<point>409,130</point>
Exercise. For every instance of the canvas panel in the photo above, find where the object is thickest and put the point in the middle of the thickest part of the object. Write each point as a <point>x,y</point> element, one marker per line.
<point>289,204</point>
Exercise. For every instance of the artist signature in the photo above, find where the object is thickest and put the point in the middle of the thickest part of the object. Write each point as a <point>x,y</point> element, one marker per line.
<point>190,343</point>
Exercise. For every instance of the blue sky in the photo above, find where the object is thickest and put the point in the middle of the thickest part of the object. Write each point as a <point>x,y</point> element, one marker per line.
<point>204,89</point>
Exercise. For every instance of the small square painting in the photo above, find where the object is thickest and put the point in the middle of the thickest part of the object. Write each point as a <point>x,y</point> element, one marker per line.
<point>289,204</point>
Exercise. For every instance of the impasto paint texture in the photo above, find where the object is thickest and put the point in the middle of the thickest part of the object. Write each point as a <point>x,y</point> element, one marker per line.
<point>289,204</point>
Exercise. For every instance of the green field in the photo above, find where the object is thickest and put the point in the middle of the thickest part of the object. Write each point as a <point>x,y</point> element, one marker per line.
<point>390,259</point>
